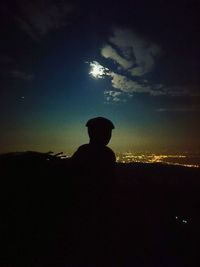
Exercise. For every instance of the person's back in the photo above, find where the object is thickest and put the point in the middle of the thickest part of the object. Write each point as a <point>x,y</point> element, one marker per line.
<point>96,157</point>
<point>93,166</point>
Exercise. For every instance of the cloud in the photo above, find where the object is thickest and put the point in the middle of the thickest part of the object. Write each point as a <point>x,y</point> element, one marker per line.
<point>5,59</point>
<point>22,75</point>
<point>28,29</point>
<point>175,90</point>
<point>97,70</point>
<point>129,87</point>
<point>179,109</point>
<point>126,85</point>
<point>112,93</point>
<point>113,96</point>
<point>38,17</point>
<point>141,53</point>
<point>109,52</point>
<point>135,56</point>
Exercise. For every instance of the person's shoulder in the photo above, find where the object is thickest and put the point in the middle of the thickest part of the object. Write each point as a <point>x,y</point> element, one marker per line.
<point>110,153</point>
<point>109,150</point>
<point>76,152</point>
<point>83,147</point>
<point>80,150</point>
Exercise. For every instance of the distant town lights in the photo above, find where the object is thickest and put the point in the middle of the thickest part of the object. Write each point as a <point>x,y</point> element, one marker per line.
<point>128,157</point>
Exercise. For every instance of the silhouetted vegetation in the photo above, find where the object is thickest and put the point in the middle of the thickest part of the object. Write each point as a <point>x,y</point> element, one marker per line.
<point>49,217</point>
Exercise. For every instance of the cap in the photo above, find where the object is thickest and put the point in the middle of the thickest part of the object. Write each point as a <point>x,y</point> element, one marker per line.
<point>100,122</point>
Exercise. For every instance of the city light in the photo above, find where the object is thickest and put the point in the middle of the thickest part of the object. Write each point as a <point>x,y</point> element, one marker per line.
<point>129,157</point>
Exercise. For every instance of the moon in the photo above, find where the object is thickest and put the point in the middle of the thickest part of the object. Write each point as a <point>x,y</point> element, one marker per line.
<point>97,71</point>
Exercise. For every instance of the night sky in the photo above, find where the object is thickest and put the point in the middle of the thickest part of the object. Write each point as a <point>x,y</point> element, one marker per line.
<point>135,62</point>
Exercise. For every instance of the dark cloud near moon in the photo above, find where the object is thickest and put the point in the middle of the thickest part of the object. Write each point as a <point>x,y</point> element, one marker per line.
<point>135,60</point>
<point>38,18</point>
<point>25,24</point>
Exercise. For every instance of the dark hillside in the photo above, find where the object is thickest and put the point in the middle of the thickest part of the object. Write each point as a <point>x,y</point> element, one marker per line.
<point>151,217</point>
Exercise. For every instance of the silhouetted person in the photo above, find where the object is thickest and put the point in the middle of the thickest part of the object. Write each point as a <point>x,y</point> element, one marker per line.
<point>93,165</point>
<point>96,153</point>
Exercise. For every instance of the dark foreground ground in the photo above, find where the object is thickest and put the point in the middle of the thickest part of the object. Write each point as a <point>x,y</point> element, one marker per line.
<point>150,216</point>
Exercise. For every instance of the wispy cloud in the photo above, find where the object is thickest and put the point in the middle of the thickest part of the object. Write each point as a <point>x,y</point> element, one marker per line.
<point>97,70</point>
<point>38,17</point>
<point>113,96</point>
<point>182,109</point>
<point>135,57</point>
<point>26,27</point>
<point>126,85</point>
<point>141,53</point>
<point>5,59</point>
<point>109,52</point>
<point>18,74</point>
<point>129,86</point>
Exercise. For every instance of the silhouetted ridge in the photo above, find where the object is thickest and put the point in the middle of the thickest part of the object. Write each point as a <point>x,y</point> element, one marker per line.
<point>153,215</point>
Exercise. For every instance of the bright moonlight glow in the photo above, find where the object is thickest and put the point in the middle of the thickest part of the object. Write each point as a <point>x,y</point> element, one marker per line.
<point>97,70</point>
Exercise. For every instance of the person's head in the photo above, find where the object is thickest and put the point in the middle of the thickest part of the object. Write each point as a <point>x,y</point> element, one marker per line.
<point>100,130</point>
